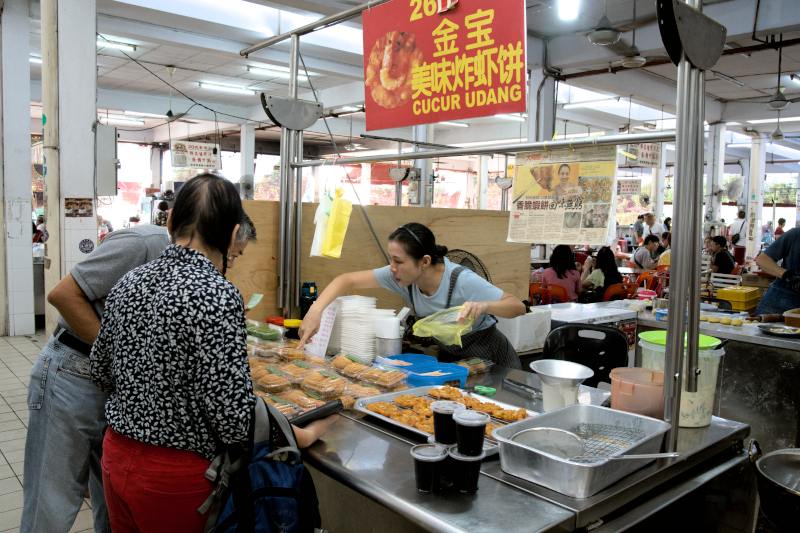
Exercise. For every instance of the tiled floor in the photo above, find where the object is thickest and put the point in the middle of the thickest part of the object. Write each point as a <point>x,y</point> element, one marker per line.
<point>17,355</point>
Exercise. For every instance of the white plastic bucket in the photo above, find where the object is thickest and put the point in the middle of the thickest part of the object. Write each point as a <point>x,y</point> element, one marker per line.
<point>696,407</point>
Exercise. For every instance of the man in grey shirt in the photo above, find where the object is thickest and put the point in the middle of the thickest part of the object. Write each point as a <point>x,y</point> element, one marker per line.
<point>67,412</point>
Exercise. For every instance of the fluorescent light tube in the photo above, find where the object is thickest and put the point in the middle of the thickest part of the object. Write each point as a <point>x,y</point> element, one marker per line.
<point>276,72</point>
<point>125,121</point>
<point>220,87</point>
<point>729,79</point>
<point>35,60</point>
<point>454,124</point>
<point>588,103</point>
<point>141,114</point>
<point>771,120</point>
<point>125,47</point>
<point>568,9</point>
<point>515,118</point>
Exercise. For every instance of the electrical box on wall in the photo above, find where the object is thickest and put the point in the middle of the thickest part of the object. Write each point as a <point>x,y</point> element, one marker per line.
<point>106,162</point>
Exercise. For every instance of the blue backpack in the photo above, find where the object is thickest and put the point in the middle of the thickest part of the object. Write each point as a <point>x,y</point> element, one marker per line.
<point>274,493</point>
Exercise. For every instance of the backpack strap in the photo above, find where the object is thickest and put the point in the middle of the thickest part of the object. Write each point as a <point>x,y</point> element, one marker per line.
<point>289,453</point>
<point>453,278</point>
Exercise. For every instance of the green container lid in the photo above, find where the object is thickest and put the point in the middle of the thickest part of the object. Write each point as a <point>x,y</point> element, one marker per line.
<point>659,338</point>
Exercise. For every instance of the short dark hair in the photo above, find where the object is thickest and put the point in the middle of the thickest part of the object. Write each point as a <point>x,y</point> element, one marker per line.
<point>719,240</point>
<point>781,221</point>
<point>650,238</point>
<point>208,207</point>
<point>418,241</point>
<point>640,217</point>
<point>742,214</point>
<point>667,236</point>
<point>562,260</point>
<point>163,205</point>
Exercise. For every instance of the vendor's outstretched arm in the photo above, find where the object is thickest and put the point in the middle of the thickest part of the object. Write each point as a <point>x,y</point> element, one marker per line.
<point>340,286</point>
<point>509,306</point>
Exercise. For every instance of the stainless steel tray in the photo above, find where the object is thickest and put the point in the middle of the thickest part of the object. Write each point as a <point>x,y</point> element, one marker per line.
<point>489,446</point>
<point>607,433</point>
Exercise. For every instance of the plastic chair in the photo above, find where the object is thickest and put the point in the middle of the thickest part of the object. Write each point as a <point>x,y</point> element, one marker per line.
<point>617,291</point>
<point>601,348</point>
<point>647,279</point>
<point>558,294</point>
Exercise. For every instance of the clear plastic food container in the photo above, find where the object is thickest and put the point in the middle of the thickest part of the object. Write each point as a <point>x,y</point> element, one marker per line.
<point>476,365</point>
<point>383,377</point>
<point>327,385</point>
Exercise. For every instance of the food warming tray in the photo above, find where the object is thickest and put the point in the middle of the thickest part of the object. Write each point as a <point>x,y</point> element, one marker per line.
<point>605,432</point>
<point>489,447</point>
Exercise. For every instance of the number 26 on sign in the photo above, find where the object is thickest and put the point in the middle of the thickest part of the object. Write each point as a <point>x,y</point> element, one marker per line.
<point>428,8</point>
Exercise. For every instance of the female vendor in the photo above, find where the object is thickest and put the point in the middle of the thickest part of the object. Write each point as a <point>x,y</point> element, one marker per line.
<point>429,282</point>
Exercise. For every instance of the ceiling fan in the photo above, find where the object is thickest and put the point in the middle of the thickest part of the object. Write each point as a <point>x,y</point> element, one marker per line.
<point>777,101</point>
<point>605,34</point>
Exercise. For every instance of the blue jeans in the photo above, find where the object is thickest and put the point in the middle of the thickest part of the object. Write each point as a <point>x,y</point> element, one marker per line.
<point>778,299</point>
<point>64,443</point>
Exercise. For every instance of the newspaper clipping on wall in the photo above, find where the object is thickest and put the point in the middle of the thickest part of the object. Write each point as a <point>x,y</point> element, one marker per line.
<point>563,196</point>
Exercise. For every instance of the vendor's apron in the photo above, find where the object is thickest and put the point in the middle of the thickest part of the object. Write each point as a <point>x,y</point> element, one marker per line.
<point>489,344</point>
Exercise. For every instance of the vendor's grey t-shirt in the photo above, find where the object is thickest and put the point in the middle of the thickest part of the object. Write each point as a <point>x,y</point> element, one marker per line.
<point>470,287</point>
<point>786,249</point>
<point>119,253</point>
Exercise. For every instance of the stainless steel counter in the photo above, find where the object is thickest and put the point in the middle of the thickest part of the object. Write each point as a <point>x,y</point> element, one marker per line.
<point>747,333</point>
<point>374,459</point>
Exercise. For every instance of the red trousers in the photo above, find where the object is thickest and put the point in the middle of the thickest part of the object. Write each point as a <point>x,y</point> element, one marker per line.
<point>151,489</point>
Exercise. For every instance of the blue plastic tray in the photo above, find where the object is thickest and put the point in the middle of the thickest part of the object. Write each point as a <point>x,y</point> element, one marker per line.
<point>422,364</point>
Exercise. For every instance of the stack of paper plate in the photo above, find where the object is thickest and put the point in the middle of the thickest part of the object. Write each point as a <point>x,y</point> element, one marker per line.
<point>354,330</point>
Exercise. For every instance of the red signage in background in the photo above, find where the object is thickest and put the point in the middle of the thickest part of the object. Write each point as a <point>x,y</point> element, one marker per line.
<point>422,66</point>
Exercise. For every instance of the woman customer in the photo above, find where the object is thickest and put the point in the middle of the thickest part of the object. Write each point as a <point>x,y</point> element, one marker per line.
<point>171,353</point>
<point>562,271</point>
<point>600,273</point>
<point>429,282</point>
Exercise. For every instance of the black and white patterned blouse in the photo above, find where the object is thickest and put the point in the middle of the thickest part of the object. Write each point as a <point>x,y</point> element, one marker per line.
<point>172,355</point>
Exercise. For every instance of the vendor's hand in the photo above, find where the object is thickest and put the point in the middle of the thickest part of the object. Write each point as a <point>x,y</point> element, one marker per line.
<point>792,279</point>
<point>473,310</point>
<point>309,326</point>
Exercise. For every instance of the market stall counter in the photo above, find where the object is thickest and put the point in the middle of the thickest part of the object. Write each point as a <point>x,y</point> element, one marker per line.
<point>365,478</point>
<point>757,381</point>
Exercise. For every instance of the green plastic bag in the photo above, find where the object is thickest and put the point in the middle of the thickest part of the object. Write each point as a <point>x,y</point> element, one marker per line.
<point>444,326</point>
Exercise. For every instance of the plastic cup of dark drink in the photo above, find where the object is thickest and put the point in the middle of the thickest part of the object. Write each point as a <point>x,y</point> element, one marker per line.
<point>428,464</point>
<point>466,470</point>
<point>470,426</point>
<point>444,427</point>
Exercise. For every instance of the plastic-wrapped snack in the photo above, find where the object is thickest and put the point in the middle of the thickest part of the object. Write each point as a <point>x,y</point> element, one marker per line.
<point>476,365</point>
<point>265,351</point>
<point>263,332</point>
<point>383,377</point>
<point>288,409</point>
<point>291,354</point>
<point>360,391</point>
<point>296,370</point>
<point>301,399</point>
<point>347,401</point>
<point>340,361</point>
<point>325,384</point>
<point>270,379</point>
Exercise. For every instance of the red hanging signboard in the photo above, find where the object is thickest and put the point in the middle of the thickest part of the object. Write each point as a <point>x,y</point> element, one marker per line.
<point>429,61</point>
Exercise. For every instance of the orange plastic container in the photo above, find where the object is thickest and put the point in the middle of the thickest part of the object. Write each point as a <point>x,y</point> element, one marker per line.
<point>638,390</point>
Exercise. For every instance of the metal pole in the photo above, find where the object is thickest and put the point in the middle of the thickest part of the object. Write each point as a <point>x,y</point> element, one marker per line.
<point>652,137</point>
<point>298,222</point>
<point>313,26</point>
<point>684,303</point>
<point>504,192</point>
<point>287,151</point>
<point>398,186</point>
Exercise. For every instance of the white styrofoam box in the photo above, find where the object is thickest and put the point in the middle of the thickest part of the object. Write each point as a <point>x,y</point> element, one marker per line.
<point>526,332</point>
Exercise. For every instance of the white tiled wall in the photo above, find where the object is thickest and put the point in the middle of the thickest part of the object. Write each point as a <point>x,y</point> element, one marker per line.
<point>19,265</point>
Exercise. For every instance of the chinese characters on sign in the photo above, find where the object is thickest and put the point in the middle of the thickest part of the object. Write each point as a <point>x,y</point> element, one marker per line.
<point>647,154</point>
<point>188,154</point>
<point>423,66</point>
<point>563,196</point>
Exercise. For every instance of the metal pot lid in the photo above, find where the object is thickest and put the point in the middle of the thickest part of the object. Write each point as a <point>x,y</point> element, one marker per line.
<point>782,467</point>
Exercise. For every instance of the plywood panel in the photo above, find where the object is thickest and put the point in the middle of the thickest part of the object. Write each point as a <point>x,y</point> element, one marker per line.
<point>481,232</point>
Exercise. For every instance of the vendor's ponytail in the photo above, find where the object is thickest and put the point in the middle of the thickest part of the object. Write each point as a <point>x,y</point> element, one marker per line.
<point>418,241</point>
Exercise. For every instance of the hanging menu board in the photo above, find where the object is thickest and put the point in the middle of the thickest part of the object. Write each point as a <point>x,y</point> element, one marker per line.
<point>189,154</point>
<point>427,61</point>
<point>563,196</point>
